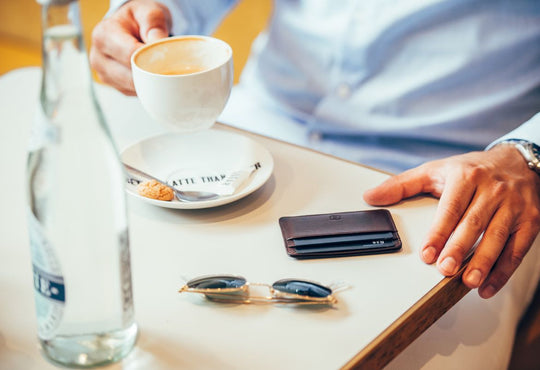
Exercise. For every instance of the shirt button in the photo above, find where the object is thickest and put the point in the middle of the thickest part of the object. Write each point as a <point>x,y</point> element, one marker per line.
<point>315,137</point>
<point>343,91</point>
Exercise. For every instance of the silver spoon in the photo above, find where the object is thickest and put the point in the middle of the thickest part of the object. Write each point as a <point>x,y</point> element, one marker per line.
<point>185,196</point>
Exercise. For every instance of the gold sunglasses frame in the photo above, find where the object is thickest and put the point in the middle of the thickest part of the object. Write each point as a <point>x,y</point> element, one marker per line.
<point>243,295</point>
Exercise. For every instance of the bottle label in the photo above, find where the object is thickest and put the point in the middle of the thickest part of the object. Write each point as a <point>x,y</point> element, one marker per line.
<point>49,288</point>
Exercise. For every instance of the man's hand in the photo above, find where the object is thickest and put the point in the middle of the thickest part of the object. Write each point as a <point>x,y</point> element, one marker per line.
<point>114,39</point>
<point>493,193</point>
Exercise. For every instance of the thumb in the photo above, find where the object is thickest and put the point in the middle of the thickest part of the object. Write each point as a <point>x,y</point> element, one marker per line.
<point>154,21</point>
<point>399,187</point>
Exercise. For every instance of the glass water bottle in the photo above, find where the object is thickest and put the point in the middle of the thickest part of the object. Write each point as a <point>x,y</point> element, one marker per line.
<point>76,208</point>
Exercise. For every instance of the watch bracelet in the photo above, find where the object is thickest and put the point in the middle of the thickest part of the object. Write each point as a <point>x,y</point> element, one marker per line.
<point>529,150</point>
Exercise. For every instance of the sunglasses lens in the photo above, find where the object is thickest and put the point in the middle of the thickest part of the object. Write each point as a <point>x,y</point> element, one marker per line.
<point>217,282</point>
<point>301,287</point>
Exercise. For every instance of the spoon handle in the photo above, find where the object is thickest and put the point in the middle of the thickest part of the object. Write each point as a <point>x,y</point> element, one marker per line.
<point>143,174</point>
<point>182,196</point>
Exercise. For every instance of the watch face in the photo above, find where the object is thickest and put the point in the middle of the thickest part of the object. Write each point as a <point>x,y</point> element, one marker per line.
<point>536,150</point>
<point>535,163</point>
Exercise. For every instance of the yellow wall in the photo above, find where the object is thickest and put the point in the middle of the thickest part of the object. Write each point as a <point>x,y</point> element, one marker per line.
<point>241,26</point>
<point>20,29</point>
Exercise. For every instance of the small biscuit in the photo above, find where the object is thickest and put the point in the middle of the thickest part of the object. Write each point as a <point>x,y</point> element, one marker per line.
<point>155,190</point>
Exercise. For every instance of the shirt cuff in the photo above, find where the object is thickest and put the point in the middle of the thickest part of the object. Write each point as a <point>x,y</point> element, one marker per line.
<point>179,23</point>
<point>529,131</point>
<point>114,5</point>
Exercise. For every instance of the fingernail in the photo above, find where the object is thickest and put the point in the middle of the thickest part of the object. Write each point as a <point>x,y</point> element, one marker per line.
<point>489,291</point>
<point>448,265</point>
<point>428,254</point>
<point>474,277</point>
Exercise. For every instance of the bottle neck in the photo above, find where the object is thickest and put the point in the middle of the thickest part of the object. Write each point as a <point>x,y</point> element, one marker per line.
<point>59,13</point>
<point>65,65</point>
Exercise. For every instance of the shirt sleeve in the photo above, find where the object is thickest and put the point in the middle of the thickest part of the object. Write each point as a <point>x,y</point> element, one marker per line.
<point>529,131</point>
<point>114,5</point>
<point>190,17</point>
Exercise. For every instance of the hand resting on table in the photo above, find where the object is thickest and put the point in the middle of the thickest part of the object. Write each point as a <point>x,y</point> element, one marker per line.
<point>491,192</point>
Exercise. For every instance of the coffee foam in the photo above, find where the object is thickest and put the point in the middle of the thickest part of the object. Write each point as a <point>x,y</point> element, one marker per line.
<point>183,54</point>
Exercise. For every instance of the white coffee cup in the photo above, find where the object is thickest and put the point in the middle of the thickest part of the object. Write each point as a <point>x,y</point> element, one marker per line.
<point>184,82</point>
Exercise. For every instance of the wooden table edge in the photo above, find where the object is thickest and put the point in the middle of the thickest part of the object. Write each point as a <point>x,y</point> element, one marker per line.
<point>409,326</point>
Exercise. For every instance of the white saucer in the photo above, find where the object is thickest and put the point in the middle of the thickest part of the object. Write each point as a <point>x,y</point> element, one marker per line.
<point>162,155</point>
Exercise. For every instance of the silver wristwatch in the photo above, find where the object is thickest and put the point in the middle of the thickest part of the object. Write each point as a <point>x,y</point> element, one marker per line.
<point>530,151</point>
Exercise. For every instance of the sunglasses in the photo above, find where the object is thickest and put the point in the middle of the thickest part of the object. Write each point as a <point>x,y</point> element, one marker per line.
<point>236,289</point>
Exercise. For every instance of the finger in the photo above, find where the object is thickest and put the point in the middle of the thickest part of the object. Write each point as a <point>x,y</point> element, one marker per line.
<point>489,249</point>
<point>115,41</point>
<point>516,248</point>
<point>154,22</point>
<point>469,229</point>
<point>455,199</point>
<point>396,188</point>
<point>113,73</point>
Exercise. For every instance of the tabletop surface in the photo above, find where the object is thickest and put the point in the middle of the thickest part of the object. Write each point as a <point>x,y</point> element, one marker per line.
<point>242,238</point>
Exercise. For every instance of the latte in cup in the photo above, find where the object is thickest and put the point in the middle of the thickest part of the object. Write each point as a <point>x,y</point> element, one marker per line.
<point>181,71</point>
<point>184,82</point>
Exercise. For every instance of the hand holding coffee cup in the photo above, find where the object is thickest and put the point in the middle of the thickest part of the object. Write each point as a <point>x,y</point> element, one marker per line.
<point>184,82</point>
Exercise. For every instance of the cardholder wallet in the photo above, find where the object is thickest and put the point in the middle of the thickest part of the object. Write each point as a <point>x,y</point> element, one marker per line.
<point>340,234</point>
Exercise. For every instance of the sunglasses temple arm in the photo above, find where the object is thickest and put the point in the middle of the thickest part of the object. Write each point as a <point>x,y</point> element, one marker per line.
<point>338,286</point>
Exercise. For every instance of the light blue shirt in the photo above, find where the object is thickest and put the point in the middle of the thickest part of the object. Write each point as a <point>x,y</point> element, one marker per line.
<point>391,83</point>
